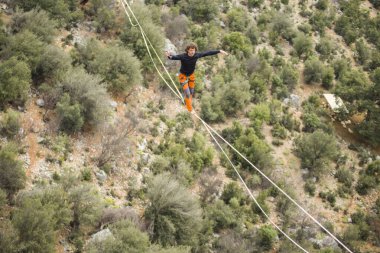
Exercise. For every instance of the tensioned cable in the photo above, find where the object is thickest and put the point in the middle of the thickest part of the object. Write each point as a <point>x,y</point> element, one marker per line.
<point>248,190</point>
<point>150,55</point>
<point>150,43</point>
<point>232,147</point>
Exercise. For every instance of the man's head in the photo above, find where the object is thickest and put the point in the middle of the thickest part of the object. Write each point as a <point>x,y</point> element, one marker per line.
<point>191,49</point>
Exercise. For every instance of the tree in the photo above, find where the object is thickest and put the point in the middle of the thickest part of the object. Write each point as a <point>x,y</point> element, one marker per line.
<point>15,79</point>
<point>34,223</point>
<point>315,150</point>
<point>36,21</point>
<point>174,214</point>
<point>12,175</point>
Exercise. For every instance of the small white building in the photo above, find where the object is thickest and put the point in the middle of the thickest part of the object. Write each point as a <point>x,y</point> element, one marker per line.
<point>335,103</point>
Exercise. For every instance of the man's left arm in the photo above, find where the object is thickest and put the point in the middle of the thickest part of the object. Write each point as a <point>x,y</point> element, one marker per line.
<point>211,52</point>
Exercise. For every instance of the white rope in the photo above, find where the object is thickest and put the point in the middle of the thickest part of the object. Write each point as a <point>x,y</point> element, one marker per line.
<point>248,190</point>
<point>231,146</point>
<point>145,37</point>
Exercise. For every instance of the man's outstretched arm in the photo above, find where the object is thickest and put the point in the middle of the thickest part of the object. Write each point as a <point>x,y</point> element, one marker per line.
<point>212,52</point>
<point>173,57</point>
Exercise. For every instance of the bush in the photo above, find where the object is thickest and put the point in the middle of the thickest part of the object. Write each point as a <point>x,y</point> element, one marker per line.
<point>57,8</point>
<point>126,238</point>
<point>53,65</point>
<point>37,22</point>
<point>15,79</point>
<point>102,60</point>
<point>221,216</point>
<point>255,3</point>
<point>232,190</point>
<point>132,38</point>
<point>315,150</point>
<point>363,53</point>
<point>369,178</point>
<point>303,45</point>
<point>35,225</point>
<point>88,93</point>
<point>26,46</point>
<point>313,71</point>
<point>174,214</point>
<point>11,123</point>
<point>266,237</point>
<point>345,177</point>
<point>237,43</point>
<point>199,10</point>
<point>289,76</point>
<point>12,174</point>
<point>325,48</point>
<point>281,26</point>
<point>310,187</point>
<point>322,5</point>
<point>9,240</point>
<point>237,19</point>
<point>327,77</point>
<point>69,113</point>
<point>86,207</point>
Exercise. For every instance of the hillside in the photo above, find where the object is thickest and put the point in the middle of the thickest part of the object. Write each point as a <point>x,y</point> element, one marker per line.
<point>97,154</point>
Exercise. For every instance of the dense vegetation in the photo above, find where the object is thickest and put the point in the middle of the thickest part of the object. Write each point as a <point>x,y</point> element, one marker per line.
<point>173,192</point>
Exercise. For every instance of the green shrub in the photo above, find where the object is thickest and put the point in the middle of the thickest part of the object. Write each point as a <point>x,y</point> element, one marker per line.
<point>303,45</point>
<point>313,71</point>
<point>199,10</point>
<point>57,8</point>
<point>221,216</point>
<point>325,48</point>
<point>232,190</point>
<point>102,60</point>
<point>15,79</point>
<point>35,226</point>
<point>174,214</point>
<point>237,43</point>
<point>289,77</point>
<point>345,177</point>
<point>279,131</point>
<point>315,150</point>
<point>126,238</point>
<point>329,196</point>
<point>369,178</point>
<point>12,174</point>
<point>26,46</point>
<point>88,93</point>
<point>327,77</point>
<point>281,26</point>
<point>10,124</point>
<point>69,113</point>
<point>322,5</point>
<point>9,238</point>
<point>53,65</point>
<point>255,3</point>
<point>310,187</point>
<point>237,19</point>
<point>266,237</point>
<point>36,21</point>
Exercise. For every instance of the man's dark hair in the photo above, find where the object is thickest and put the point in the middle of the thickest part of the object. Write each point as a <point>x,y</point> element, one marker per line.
<point>191,45</point>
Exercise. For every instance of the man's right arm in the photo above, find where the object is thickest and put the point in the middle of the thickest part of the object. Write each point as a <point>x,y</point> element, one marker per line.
<point>173,57</point>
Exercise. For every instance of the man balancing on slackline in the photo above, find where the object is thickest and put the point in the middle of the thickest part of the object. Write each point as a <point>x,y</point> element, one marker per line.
<point>186,76</point>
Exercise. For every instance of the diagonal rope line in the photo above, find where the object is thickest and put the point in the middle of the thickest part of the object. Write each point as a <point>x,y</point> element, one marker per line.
<point>248,190</point>
<point>231,146</point>
<point>124,2</point>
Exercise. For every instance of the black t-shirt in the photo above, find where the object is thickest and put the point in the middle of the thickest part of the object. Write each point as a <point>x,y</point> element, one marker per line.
<point>188,62</point>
